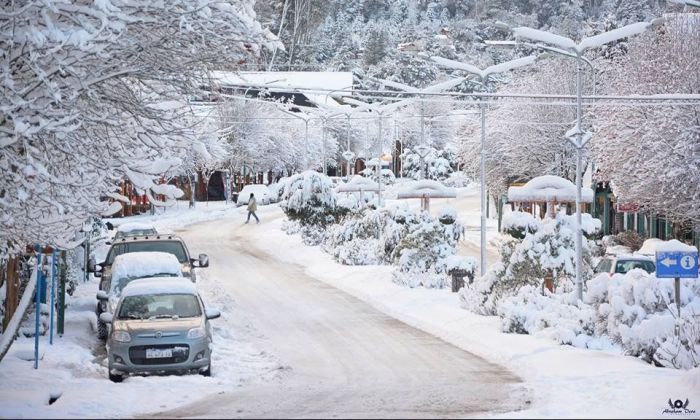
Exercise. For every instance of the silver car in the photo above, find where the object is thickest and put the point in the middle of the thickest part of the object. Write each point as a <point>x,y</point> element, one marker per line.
<point>160,325</point>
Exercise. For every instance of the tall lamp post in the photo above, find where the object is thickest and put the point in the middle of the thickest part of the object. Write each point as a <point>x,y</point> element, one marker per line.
<point>577,136</point>
<point>483,76</point>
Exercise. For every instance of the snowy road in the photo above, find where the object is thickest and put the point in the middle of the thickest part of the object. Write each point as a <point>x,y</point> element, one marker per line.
<point>343,358</point>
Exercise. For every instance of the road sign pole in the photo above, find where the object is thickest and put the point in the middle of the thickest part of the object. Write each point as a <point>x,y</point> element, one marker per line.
<point>54,265</point>
<point>37,304</point>
<point>60,316</point>
<point>678,304</point>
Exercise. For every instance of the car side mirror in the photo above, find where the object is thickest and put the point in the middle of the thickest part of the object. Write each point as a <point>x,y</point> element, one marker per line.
<point>92,265</point>
<point>212,313</point>
<point>203,260</point>
<point>102,295</point>
<point>106,317</point>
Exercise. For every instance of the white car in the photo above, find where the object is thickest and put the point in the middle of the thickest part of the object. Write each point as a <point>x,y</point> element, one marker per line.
<point>127,268</point>
<point>262,194</point>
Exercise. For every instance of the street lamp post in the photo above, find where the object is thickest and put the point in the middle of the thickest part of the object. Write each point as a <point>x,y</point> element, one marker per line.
<point>579,138</point>
<point>483,76</point>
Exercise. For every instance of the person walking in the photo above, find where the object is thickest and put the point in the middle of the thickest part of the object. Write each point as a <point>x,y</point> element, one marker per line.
<point>252,208</point>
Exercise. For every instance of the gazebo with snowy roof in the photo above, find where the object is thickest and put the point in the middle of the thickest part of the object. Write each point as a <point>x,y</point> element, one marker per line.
<point>425,190</point>
<point>550,190</point>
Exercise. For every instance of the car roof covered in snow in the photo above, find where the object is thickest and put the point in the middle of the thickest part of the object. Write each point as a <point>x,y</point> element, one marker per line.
<point>142,264</point>
<point>159,286</point>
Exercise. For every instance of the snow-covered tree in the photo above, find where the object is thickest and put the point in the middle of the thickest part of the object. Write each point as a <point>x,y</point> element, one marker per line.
<point>86,88</point>
<point>651,154</point>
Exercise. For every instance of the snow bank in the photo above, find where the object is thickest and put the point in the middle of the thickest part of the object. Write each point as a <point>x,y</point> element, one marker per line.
<point>358,183</point>
<point>144,264</point>
<point>548,188</point>
<point>675,246</point>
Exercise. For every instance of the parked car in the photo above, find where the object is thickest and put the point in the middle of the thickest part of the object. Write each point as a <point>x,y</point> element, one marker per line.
<point>127,268</point>
<point>262,194</point>
<point>170,244</point>
<point>160,325</point>
<point>134,229</point>
<point>621,264</point>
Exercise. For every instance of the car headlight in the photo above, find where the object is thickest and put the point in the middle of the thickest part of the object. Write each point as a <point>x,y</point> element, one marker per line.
<point>121,336</point>
<point>196,333</point>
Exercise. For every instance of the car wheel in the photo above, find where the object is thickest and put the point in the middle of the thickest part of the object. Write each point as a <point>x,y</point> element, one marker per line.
<point>101,327</point>
<point>116,378</point>
<point>206,372</point>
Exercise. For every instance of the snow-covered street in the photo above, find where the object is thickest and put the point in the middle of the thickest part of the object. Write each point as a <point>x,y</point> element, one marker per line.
<point>341,357</point>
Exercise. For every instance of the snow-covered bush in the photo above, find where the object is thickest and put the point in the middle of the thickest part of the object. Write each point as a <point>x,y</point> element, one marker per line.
<point>457,180</point>
<point>518,223</point>
<point>366,237</point>
<point>388,177</point>
<point>548,246</point>
<point>633,312</point>
<point>309,199</point>
<point>437,165</point>
<point>420,253</point>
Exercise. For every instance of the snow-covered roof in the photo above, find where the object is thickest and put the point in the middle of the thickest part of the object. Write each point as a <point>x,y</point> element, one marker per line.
<point>649,246</point>
<point>289,80</point>
<point>358,183</point>
<point>159,285</point>
<point>129,227</point>
<point>143,264</point>
<point>548,188</point>
<point>427,188</point>
<point>675,246</point>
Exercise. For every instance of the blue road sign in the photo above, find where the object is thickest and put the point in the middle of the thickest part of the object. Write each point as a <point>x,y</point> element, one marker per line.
<point>677,264</point>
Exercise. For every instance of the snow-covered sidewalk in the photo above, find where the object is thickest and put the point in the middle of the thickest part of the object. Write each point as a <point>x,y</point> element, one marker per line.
<point>564,381</point>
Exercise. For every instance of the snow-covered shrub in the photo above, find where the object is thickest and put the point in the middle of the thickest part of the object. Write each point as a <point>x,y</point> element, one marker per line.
<point>437,165</point>
<point>638,311</point>
<point>482,295</point>
<point>457,180</point>
<point>629,239</point>
<point>420,252</point>
<point>518,223</point>
<point>555,316</point>
<point>388,177</point>
<point>309,198</point>
<point>364,238</point>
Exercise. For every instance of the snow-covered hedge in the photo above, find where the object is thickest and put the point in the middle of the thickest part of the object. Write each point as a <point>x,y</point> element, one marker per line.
<point>633,312</point>
<point>421,253</point>
<point>310,200</point>
<point>366,237</point>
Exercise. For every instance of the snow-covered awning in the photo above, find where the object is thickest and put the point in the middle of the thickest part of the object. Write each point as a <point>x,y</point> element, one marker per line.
<point>427,189</point>
<point>358,183</point>
<point>548,188</point>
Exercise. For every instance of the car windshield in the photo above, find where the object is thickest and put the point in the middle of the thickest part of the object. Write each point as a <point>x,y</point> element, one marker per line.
<point>604,266</point>
<point>160,306</point>
<point>625,266</point>
<point>135,232</point>
<point>119,284</point>
<point>171,247</point>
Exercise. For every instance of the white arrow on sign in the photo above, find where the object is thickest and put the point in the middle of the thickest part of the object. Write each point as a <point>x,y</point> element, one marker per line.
<point>668,262</point>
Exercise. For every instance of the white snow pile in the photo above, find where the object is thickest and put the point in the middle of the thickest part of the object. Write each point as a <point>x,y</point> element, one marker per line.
<point>548,188</point>
<point>427,188</point>
<point>144,264</point>
<point>358,183</point>
<point>675,245</point>
<point>260,192</point>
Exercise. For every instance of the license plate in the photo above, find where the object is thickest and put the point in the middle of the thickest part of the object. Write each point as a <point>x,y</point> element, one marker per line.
<point>158,353</point>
